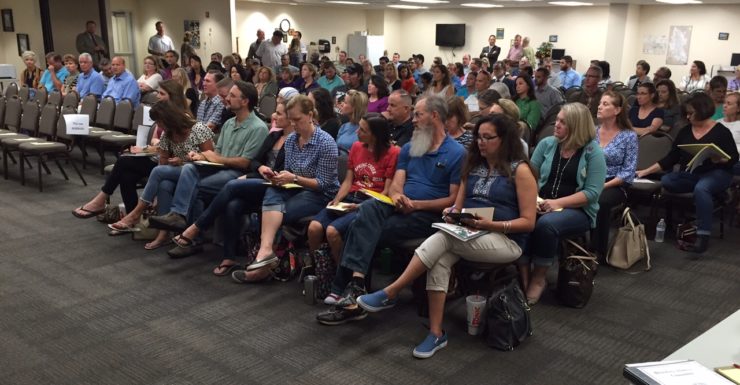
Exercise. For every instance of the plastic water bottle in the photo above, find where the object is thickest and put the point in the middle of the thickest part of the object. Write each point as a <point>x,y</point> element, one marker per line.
<point>660,231</point>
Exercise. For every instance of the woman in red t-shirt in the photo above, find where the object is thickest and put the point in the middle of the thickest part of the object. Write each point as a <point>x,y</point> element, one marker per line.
<point>370,165</point>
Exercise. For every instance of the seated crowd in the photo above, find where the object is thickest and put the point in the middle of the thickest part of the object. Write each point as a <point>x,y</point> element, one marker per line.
<point>461,135</point>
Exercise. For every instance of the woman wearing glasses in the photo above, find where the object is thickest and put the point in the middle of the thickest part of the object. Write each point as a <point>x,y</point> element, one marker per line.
<point>496,174</point>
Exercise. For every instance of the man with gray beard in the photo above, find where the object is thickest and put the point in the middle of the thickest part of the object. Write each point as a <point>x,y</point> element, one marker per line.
<point>426,181</point>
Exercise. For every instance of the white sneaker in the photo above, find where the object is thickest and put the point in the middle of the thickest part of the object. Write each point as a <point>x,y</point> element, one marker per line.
<point>332,299</point>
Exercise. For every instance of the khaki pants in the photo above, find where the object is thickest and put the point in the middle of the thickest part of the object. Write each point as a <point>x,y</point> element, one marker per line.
<point>441,251</point>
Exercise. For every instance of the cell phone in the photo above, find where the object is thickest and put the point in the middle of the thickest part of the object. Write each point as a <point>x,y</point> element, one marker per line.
<point>457,217</point>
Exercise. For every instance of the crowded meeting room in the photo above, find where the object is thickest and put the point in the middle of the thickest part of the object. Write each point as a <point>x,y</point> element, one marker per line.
<point>227,192</point>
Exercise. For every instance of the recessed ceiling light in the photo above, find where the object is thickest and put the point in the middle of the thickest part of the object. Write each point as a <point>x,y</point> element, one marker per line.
<point>481,5</point>
<point>569,3</point>
<point>347,2</point>
<point>679,1</point>
<point>402,6</point>
<point>426,1</point>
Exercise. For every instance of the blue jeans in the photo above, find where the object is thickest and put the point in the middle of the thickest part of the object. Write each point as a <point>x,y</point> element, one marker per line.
<point>160,174</point>
<point>704,187</point>
<point>233,201</point>
<point>550,228</point>
<point>340,222</point>
<point>294,203</point>
<point>194,178</point>
<point>378,223</point>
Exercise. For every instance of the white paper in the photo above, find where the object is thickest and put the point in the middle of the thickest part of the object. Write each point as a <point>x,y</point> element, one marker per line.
<point>147,120</point>
<point>77,124</point>
<point>643,180</point>
<point>142,134</point>
<point>683,373</point>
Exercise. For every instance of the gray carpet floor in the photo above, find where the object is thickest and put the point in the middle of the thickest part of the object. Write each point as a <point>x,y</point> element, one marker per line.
<point>80,307</point>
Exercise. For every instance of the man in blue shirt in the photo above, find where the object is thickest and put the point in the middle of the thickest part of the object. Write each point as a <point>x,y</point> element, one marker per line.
<point>419,61</point>
<point>89,81</point>
<point>55,73</point>
<point>122,85</point>
<point>568,76</point>
<point>426,181</point>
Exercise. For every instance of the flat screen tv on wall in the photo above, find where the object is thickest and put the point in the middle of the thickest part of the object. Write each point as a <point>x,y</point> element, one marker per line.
<point>450,35</point>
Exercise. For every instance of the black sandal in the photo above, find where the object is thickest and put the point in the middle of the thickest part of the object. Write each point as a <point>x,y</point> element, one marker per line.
<point>188,241</point>
<point>227,269</point>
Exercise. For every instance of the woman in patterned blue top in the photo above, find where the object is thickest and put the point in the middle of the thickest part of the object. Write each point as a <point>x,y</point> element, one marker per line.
<point>496,174</point>
<point>619,143</point>
<point>311,164</point>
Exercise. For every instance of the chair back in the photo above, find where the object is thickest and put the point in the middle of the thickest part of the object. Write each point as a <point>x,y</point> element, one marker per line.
<point>90,106</point>
<point>138,116</point>
<point>122,117</point>
<point>2,111</point>
<point>150,98</point>
<point>55,98</point>
<point>12,113</point>
<point>342,166</point>
<point>23,93</point>
<point>267,105</point>
<point>42,96</point>
<point>631,100</point>
<point>618,86</point>
<point>62,125</point>
<point>72,99</point>
<point>571,94</point>
<point>652,148</point>
<point>30,117</point>
<point>11,90</point>
<point>104,116</point>
<point>544,133</point>
<point>48,122</point>
<point>678,125</point>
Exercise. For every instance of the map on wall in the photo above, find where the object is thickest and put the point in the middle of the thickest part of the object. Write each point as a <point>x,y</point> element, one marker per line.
<point>678,44</point>
<point>654,45</point>
<point>194,27</point>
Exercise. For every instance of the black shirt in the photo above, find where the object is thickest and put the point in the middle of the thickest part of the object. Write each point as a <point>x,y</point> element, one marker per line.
<point>563,179</point>
<point>401,134</point>
<point>719,135</point>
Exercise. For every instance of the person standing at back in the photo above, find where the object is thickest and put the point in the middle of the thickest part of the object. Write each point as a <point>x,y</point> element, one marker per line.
<point>89,42</point>
<point>159,43</point>
<point>271,51</point>
<point>491,51</point>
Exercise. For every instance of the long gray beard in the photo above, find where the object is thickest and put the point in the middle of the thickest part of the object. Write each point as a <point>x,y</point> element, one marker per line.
<point>421,142</point>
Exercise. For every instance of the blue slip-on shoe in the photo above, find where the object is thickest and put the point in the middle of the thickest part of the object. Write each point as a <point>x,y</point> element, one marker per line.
<point>376,302</point>
<point>430,345</point>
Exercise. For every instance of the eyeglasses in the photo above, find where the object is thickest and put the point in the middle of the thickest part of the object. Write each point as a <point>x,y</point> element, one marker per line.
<point>486,139</point>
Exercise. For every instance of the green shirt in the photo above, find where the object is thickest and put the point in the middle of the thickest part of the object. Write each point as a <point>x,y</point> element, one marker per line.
<point>243,140</point>
<point>529,111</point>
<point>719,113</point>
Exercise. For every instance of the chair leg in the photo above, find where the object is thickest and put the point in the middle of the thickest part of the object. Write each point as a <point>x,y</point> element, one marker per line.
<point>48,172</point>
<point>72,162</point>
<point>5,164</point>
<point>60,168</point>
<point>22,157</point>
<point>41,174</point>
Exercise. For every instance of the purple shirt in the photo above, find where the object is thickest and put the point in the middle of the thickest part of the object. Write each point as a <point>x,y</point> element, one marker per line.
<point>379,105</point>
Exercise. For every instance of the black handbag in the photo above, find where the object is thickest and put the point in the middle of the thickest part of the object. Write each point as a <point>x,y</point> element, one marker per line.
<point>576,276</point>
<point>507,316</point>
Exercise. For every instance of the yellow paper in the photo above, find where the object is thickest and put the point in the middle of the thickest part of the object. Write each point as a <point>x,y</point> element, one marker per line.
<point>378,196</point>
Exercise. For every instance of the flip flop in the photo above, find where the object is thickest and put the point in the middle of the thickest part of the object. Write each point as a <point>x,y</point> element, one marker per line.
<point>123,228</point>
<point>227,269</point>
<point>272,259</point>
<point>187,241</point>
<point>88,213</point>
<point>157,245</point>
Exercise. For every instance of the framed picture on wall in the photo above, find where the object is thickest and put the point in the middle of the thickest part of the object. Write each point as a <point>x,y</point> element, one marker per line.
<point>8,20</point>
<point>193,26</point>
<point>23,43</point>
<point>724,36</point>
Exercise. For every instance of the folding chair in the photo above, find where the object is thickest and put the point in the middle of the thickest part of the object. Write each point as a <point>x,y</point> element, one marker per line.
<point>29,123</point>
<point>60,148</point>
<point>11,90</point>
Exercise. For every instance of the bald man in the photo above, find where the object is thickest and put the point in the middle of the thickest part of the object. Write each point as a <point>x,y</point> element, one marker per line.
<point>122,85</point>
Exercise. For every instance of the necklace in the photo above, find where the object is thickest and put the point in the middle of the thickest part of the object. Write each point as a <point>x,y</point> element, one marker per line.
<point>559,176</point>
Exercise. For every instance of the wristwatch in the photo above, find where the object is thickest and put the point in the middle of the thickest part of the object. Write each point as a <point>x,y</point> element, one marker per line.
<point>295,179</point>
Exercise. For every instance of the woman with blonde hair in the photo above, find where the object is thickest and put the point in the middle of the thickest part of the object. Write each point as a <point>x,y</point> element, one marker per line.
<point>354,108</point>
<point>151,78</point>
<point>572,170</point>
<point>391,77</point>
<point>181,77</point>
<point>30,75</point>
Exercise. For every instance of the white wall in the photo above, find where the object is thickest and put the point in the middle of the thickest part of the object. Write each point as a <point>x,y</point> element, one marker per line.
<point>707,22</point>
<point>314,23</point>
<point>582,33</point>
<point>215,31</point>
<point>26,20</point>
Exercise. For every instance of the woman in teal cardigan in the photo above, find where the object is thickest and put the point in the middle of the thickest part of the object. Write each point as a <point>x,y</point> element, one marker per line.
<point>526,100</point>
<point>572,171</point>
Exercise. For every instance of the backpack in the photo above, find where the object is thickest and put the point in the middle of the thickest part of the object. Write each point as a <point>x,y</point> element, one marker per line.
<point>507,316</point>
